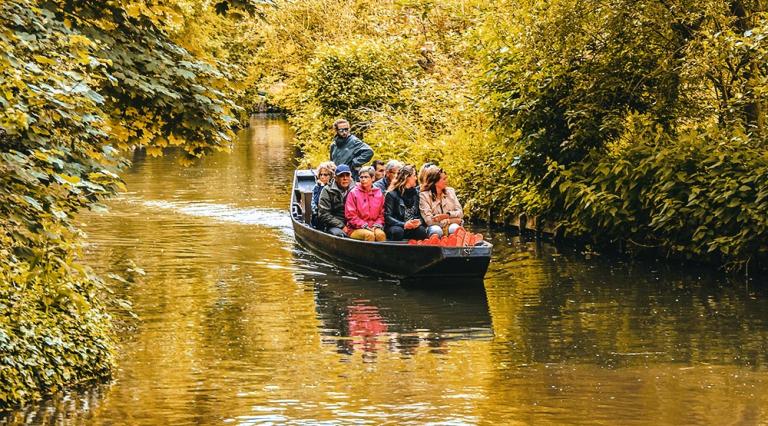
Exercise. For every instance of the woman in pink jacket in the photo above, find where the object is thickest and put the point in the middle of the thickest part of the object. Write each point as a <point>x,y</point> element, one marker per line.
<point>364,209</point>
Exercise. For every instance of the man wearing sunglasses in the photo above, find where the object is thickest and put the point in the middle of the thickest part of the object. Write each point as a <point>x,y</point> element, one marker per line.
<point>348,149</point>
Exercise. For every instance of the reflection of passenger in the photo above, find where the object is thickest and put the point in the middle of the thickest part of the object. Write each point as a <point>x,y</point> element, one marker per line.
<point>365,323</point>
<point>330,208</point>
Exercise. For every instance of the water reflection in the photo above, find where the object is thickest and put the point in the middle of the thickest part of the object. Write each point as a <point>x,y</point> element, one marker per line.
<point>241,325</point>
<point>361,314</point>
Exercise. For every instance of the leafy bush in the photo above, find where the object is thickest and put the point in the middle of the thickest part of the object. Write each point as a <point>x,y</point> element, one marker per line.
<point>701,194</point>
<point>54,329</point>
<point>80,82</point>
<point>346,81</point>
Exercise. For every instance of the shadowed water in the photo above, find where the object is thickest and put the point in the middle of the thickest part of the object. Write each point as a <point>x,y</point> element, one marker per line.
<point>239,325</point>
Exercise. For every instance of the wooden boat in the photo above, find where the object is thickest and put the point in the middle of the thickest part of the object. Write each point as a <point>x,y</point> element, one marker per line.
<point>393,259</point>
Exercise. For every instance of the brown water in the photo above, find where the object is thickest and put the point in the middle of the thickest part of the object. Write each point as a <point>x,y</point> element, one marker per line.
<point>239,325</point>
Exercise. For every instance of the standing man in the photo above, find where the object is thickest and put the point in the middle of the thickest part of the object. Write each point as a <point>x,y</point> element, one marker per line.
<point>347,149</point>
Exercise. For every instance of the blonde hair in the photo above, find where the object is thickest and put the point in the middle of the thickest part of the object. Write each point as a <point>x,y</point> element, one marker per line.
<point>423,173</point>
<point>326,165</point>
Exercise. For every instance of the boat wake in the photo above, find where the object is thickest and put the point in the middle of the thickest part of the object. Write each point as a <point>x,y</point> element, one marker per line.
<point>272,218</point>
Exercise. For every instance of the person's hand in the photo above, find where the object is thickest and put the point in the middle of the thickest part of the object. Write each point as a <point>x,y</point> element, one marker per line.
<point>442,216</point>
<point>377,226</point>
<point>412,224</point>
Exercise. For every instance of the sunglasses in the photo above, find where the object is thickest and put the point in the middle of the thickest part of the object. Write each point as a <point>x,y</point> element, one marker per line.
<point>343,129</point>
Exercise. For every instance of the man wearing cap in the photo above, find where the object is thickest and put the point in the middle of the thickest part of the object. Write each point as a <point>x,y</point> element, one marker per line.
<point>347,149</point>
<point>330,208</point>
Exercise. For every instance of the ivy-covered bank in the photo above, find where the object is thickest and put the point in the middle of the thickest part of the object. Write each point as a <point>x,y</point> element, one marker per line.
<point>637,124</point>
<point>81,83</point>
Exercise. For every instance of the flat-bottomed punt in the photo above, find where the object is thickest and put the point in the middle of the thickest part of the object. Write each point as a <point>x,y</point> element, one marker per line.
<point>392,259</point>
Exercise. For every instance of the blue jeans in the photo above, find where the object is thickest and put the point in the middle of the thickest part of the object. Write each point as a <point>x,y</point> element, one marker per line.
<point>436,229</point>
<point>337,232</point>
<point>398,233</point>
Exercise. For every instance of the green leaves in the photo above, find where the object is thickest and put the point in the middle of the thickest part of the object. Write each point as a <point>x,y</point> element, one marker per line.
<point>81,83</point>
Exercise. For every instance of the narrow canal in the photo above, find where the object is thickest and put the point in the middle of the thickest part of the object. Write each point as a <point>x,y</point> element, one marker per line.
<point>240,325</point>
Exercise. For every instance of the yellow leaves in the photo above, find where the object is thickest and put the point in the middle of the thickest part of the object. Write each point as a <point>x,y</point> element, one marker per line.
<point>14,121</point>
<point>83,58</point>
<point>77,39</point>
<point>118,132</point>
<point>44,60</point>
<point>154,151</point>
<point>175,141</point>
<point>74,180</point>
<point>134,10</point>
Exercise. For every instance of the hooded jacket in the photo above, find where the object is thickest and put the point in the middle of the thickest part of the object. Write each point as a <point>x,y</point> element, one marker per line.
<point>350,151</point>
<point>330,208</point>
<point>364,209</point>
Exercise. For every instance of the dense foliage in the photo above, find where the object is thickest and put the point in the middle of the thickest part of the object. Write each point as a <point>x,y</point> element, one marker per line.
<point>632,122</point>
<point>640,123</point>
<point>80,84</point>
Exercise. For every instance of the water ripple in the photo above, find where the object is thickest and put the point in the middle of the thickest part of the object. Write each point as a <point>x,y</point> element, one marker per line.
<point>273,218</point>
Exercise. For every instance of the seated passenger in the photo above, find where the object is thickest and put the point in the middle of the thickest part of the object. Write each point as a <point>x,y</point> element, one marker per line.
<point>324,174</point>
<point>390,171</point>
<point>402,219</point>
<point>364,209</point>
<point>423,173</point>
<point>438,204</point>
<point>378,165</point>
<point>330,208</point>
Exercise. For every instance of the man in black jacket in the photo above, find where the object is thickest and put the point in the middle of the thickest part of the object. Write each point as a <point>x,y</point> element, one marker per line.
<point>330,208</point>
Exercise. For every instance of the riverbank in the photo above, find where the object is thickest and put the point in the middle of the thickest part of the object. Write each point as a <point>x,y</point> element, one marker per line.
<point>236,317</point>
<point>618,144</point>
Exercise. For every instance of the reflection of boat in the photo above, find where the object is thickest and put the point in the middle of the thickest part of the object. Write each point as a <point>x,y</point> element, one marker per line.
<point>368,315</point>
<point>393,259</point>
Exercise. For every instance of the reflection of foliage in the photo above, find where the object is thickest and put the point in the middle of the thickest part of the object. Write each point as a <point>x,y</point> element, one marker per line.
<point>79,83</point>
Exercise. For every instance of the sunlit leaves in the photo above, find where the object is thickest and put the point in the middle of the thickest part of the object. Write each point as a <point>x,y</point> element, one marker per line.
<point>81,83</point>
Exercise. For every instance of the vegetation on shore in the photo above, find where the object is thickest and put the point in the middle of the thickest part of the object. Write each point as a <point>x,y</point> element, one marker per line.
<point>81,83</point>
<point>633,122</point>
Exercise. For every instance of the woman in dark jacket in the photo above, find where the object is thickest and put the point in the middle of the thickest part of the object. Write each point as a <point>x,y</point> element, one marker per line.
<point>324,175</point>
<point>402,219</point>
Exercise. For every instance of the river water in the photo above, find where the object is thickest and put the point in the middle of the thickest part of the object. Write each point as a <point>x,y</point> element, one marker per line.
<point>240,325</point>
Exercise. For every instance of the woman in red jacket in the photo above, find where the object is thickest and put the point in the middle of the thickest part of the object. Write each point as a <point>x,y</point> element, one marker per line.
<point>364,209</point>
